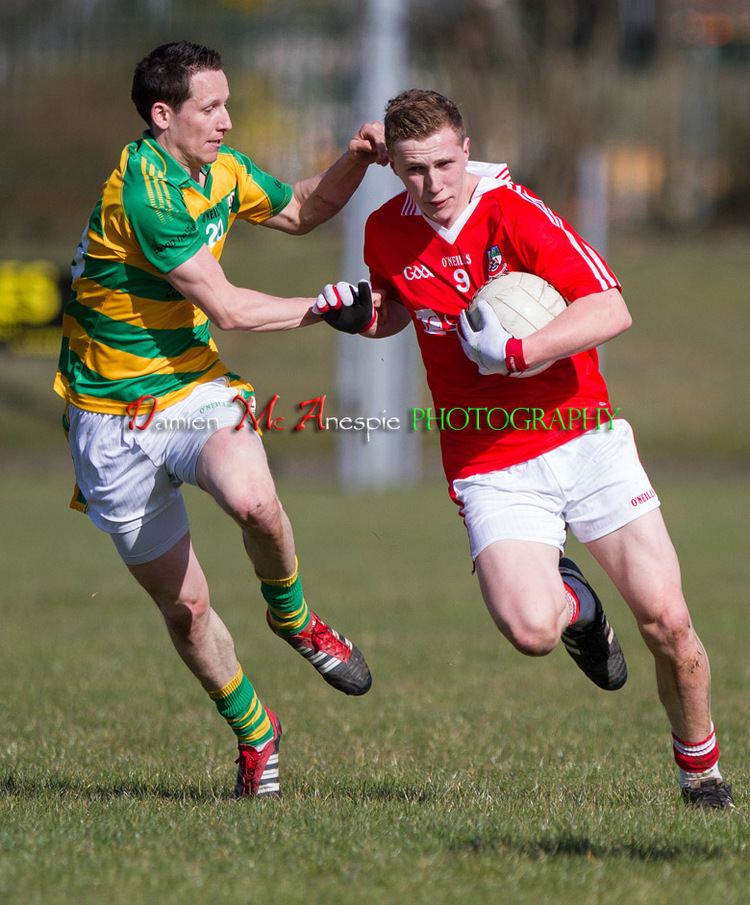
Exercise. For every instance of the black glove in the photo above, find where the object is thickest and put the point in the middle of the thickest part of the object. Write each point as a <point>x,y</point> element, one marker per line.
<point>345,307</point>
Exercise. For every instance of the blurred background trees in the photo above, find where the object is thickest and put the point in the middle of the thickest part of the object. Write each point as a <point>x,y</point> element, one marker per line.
<point>656,90</point>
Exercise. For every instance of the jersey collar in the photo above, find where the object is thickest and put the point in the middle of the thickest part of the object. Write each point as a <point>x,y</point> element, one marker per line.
<point>491,176</point>
<point>170,167</point>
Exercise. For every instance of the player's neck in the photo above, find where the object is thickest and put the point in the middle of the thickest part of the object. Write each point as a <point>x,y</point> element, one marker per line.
<point>471,184</point>
<point>194,170</point>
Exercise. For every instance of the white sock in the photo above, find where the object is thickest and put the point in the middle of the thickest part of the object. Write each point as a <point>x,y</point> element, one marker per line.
<point>695,779</point>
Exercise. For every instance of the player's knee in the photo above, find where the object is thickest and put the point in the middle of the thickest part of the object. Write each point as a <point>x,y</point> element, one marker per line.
<point>187,616</point>
<point>534,639</point>
<point>259,513</point>
<point>670,630</point>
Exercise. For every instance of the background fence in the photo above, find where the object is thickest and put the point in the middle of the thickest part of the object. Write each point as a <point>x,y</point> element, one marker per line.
<point>635,112</point>
<point>657,89</point>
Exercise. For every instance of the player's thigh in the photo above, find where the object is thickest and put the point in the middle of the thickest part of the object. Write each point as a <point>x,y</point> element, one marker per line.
<point>603,480</point>
<point>523,591</point>
<point>513,518</point>
<point>233,468</point>
<point>518,503</point>
<point>174,578</point>
<point>641,561</point>
<point>128,495</point>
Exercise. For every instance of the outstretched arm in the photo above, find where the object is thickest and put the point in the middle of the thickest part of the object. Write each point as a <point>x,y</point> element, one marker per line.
<point>203,282</point>
<point>320,197</point>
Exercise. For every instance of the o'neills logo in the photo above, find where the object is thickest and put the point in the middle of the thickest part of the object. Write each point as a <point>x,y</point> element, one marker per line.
<point>643,498</point>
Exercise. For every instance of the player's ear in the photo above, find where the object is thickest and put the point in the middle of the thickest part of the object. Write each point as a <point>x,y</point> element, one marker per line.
<point>467,145</point>
<point>160,114</point>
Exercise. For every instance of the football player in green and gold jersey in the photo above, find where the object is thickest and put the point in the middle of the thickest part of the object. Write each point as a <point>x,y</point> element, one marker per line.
<point>147,285</point>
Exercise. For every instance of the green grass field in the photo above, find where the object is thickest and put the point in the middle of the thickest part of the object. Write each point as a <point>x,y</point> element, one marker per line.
<point>469,773</point>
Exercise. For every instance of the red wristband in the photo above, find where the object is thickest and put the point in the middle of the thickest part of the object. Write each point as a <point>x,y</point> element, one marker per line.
<point>514,360</point>
<point>373,321</point>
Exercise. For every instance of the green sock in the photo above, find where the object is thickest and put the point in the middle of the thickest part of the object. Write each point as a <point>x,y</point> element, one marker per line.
<point>286,602</point>
<point>241,707</point>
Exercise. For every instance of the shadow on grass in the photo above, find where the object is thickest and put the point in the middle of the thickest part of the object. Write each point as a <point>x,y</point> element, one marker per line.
<point>569,844</point>
<point>26,788</point>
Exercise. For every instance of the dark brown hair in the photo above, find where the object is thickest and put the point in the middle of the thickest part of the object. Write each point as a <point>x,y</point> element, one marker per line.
<point>165,73</point>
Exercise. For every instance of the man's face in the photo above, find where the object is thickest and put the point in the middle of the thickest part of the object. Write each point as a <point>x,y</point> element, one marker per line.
<point>433,169</point>
<point>194,133</point>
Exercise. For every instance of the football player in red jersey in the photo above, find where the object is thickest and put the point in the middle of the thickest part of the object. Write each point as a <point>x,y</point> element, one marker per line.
<point>429,249</point>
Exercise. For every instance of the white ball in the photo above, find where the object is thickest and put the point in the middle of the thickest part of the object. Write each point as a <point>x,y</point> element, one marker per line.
<point>523,303</point>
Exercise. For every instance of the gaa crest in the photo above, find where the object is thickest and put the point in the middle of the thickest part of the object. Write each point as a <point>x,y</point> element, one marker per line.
<point>495,264</point>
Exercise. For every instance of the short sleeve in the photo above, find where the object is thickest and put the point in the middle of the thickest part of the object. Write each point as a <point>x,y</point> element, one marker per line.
<point>261,196</point>
<point>549,246</point>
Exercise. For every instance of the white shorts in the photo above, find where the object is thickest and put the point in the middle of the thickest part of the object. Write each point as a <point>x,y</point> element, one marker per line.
<point>595,484</point>
<point>130,478</point>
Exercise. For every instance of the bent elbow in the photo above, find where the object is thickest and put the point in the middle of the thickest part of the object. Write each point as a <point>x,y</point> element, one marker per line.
<point>620,319</point>
<point>225,320</point>
<point>305,226</point>
<point>626,321</point>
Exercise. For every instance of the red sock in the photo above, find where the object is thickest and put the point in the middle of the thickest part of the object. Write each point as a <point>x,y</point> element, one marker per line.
<point>574,607</point>
<point>696,757</point>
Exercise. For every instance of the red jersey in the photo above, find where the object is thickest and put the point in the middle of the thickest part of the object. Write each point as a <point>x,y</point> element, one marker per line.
<point>435,272</point>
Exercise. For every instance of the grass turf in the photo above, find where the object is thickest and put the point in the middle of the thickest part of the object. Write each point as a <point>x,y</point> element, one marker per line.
<point>468,772</point>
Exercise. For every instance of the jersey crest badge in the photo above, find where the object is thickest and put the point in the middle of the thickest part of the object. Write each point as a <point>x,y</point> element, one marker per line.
<point>495,264</point>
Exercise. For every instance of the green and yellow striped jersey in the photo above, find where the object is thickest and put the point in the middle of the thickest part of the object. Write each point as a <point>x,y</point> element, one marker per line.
<point>126,331</point>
